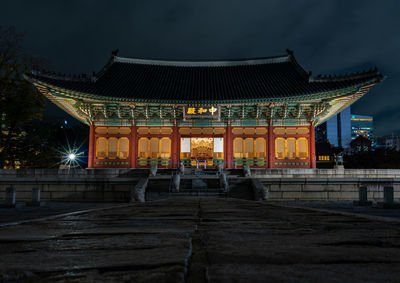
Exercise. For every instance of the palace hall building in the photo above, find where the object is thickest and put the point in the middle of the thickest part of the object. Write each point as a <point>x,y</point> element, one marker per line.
<point>261,112</point>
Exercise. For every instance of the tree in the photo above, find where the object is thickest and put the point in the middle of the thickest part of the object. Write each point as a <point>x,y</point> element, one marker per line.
<point>20,103</point>
<point>360,144</point>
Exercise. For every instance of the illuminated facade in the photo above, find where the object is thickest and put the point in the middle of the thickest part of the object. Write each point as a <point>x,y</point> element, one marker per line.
<point>362,126</point>
<point>261,112</point>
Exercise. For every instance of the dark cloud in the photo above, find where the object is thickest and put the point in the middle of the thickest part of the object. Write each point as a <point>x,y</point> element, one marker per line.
<point>327,36</point>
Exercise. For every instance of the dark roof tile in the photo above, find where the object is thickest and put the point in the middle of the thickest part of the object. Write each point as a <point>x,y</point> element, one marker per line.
<point>205,80</point>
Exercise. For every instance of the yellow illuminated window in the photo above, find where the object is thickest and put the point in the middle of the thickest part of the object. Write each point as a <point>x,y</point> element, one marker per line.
<point>101,130</point>
<point>260,146</point>
<point>323,158</point>
<point>143,131</point>
<point>165,147</point>
<point>279,131</point>
<point>261,131</point>
<point>166,131</point>
<point>101,148</point>
<point>249,131</point>
<point>154,148</point>
<point>237,131</point>
<point>280,148</point>
<point>291,148</point>
<point>113,130</point>
<point>124,130</point>
<point>123,145</point>
<point>143,148</point>
<point>302,148</point>
<point>112,148</point>
<point>302,131</point>
<point>238,148</point>
<point>154,130</point>
<point>248,148</point>
<point>290,131</point>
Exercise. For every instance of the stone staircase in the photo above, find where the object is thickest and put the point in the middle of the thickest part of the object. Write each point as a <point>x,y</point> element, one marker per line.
<point>197,186</point>
<point>200,183</point>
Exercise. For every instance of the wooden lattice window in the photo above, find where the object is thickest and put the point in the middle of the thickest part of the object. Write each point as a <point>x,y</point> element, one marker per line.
<point>302,148</point>
<point>238,148</point>
<point>260,146</point>
<point>165,145</point>
<point>249,148</point>
<point>280,148</point>
<point>101,148</point>
<point>143,148</point>
<point>123,146</point>
<point>112,148</point>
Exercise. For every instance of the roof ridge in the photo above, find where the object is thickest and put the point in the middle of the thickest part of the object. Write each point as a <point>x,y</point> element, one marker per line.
<point>204,62</point>
<point>345,77</point>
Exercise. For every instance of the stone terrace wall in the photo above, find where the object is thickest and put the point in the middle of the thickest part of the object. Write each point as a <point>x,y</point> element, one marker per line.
<point>327,189</point>
<point>284,184</point>
<point>109,185</point>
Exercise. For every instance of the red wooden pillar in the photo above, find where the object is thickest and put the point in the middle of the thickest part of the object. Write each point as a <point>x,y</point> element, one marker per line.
<point>175,147</point>
<point>91,147</point>
<point>228,148</point>
<point>271,150</point>
<point>133,147</point>
<point>312,147</point>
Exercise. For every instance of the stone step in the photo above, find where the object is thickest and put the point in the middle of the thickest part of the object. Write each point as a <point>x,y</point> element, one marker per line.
<point>202,190</point>
<point>214,194</point>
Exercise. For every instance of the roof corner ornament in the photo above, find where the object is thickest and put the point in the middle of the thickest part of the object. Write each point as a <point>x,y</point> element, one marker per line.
<point>115,52</point>
<point>289,52</point>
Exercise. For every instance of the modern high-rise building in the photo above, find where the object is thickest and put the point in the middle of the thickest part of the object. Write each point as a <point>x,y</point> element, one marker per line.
<point>344,127</point>
<point>362,126</point>
<point>337,130</point>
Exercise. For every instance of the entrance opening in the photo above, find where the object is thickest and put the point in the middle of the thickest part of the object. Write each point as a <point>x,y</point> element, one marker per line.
<point>202,151</point>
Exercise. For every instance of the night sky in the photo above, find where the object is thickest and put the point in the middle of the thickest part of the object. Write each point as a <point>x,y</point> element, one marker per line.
<point>328,37</point>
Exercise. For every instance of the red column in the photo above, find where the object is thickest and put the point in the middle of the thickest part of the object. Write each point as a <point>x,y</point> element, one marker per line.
<point>91,147</point>
<point>133,147</point>
<point>271,150</point>
<point>229,146</point>
<point>174,147</point>
<point>312,146</point>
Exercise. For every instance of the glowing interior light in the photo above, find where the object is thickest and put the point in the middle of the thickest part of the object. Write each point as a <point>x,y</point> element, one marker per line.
<point>71,156</point>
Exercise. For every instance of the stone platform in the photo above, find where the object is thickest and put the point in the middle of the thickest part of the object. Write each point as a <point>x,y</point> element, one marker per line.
<point>115,185</point>
<point>201,240</point>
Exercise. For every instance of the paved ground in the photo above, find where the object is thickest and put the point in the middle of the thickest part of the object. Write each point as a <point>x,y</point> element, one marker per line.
<point>23,212</point>
<point>372,210</point>
<point>219,240</point>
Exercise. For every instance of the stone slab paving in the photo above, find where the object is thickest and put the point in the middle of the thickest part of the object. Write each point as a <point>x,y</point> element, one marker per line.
<point>23,212</point>
<point>372,210</point>
<point>200,240</point>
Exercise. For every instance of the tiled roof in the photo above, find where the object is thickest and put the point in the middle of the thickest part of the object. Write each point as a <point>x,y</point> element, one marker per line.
<point>219,80</point>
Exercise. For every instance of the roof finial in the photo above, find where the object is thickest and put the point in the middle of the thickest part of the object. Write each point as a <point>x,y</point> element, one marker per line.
<point>115,52</point>
<point>289,52</point>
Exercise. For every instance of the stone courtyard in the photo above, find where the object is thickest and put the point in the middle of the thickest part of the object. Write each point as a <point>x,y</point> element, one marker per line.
<point>201,240</point>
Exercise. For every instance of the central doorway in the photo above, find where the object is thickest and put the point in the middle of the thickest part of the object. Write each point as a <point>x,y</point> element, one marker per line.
<point>201,151</point>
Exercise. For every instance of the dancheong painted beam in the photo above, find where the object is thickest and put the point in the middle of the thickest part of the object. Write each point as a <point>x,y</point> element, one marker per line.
<point>261,112</point>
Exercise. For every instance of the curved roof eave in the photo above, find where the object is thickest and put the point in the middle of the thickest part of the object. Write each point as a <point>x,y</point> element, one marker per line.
<point>297,98</point>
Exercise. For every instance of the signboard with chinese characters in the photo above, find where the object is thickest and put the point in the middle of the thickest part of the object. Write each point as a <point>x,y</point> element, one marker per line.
<point>202,112</point>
